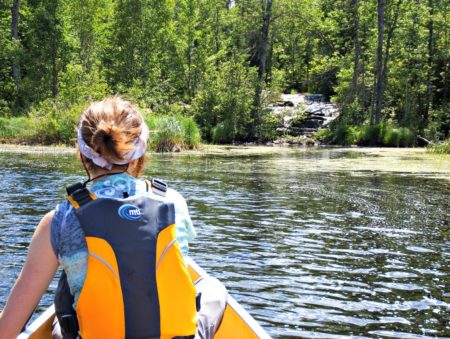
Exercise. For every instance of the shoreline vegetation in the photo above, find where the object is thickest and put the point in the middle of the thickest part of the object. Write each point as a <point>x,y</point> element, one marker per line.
<point>175,133</point>
<point>211,70</point>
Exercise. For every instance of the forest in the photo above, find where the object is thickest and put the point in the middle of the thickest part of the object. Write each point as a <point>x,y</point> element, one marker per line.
<point>209,68</point>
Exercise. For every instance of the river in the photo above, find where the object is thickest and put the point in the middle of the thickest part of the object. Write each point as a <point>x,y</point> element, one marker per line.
<point>316,243</point>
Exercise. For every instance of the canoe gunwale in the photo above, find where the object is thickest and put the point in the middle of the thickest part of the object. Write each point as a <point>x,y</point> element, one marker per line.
<point>37,324</point>
<point>41,326</point>
<point>235,306</point>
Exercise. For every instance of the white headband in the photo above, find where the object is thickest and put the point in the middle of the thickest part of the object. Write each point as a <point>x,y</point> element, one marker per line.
<point>140,146</point>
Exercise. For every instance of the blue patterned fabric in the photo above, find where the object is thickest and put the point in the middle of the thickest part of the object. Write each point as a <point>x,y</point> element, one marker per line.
<point>67,237</point>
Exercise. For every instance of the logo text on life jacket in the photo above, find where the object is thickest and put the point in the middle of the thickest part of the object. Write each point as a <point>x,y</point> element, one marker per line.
<point>130,212</point>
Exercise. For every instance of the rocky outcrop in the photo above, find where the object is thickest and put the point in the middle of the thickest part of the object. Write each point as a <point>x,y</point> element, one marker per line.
<point>303,115</point>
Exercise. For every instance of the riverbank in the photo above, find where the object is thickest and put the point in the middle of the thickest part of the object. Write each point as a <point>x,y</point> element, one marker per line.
<point>316,159</point>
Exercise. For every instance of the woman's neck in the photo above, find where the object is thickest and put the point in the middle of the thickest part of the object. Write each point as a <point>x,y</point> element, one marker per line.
<point>98,175</point>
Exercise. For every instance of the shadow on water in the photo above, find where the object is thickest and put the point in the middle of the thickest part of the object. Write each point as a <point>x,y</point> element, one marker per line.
<point>309,254</point>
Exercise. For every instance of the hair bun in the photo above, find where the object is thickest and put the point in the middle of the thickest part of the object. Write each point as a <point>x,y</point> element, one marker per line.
<point>106,138</point>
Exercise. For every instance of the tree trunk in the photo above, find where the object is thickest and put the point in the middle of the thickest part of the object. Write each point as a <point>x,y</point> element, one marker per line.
<point>54,70</point>
<point>379,69</point>
<point>430,62</point>
<point>389,35</point>
<point>262,57</point>
<point>353,91</point>
<point>445,91</point>
<point>54,50</point>
<point>15,36</point>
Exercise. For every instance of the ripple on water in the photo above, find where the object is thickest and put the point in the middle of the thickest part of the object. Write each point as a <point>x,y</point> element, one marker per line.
<point>418,249</point>
<point>309,254</point>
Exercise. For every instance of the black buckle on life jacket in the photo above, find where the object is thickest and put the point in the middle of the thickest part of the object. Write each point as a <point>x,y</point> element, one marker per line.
<point>79,193</point>
<point>198,300</point>
<point>72,188</point>
<point>69,326</point>
<point>159,186</point>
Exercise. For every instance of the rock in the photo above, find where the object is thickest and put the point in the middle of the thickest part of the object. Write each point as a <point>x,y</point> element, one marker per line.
<point>292,109</point>
<point>317,117</point>
<point>312,123</point>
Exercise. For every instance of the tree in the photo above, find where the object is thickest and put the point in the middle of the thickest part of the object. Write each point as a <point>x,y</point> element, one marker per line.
<point>266,7</point>
<point>379,67</point>
<point>15,37</point>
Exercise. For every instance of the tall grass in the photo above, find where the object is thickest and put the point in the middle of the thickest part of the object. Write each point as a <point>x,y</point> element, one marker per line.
<point>440,148</point>
<point>47,123</point>
<point>172,133</point>
<point>52,123</point>
<point>16,129</point>
<point>191,132</point>
<point>370,135</point>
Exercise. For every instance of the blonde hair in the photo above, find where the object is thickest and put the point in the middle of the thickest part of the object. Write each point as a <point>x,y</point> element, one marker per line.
<point>110,127</point>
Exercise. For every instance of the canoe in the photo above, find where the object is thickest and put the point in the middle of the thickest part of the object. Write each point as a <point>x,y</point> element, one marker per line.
<point>236,323</point>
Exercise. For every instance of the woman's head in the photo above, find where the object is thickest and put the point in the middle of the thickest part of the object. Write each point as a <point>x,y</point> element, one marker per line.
<point>112,135</point>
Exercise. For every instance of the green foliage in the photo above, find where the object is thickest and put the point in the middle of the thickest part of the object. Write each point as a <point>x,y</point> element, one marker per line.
<point>191,132</point>
<point>438,128</point>
<point>398,137</point>
<point>324,135</point>
<point>224,102</point>
<point>77,85</point>
<point>15,129</point>
<point>169,133</point>
<point>48,123</point>
<point>267,131</point>
<point>372,135</point>
<point>440,148</point>
<point>55,122</point>
<point>220,134</point>
<point>200,58</point>
<point>369,135</point>
<point>166,134</point>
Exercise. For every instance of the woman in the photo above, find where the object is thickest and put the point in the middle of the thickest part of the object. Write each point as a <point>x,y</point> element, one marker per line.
<point>90,240</point>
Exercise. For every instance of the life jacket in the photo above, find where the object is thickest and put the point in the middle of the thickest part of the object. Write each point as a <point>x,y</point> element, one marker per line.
<point>137,284</point>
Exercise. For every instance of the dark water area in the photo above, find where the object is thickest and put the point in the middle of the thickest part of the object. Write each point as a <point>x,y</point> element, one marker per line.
<point>308,253</point>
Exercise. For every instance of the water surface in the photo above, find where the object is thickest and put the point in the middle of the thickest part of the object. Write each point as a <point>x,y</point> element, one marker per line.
<point>310,245</point>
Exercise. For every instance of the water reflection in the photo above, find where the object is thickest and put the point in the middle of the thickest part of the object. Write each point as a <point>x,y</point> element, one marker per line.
<point>309,254</point>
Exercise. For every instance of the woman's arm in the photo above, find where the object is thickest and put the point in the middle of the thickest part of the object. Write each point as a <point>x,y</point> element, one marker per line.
<point>185,230</point>
<point>34,279</point>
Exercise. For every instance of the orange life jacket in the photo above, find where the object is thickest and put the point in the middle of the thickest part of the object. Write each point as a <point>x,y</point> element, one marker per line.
<point>137,284</point>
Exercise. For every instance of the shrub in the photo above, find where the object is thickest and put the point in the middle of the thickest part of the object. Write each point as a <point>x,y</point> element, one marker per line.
<point>391,137</point>
<point>324,135</point>
<point>55,122</point>
<point>167,134</point>
<point>407,137</point>
<point>191,132</point>
<point>267,130</point>
<point>371,135</point>
<point>339,134</point>
<point>170,133</point>
<point>353,135</point>
<point>16,129</point>
<point>220,134</point>
<point>440,148</point>
<point>224,101</point>
<point>397,137</point>
<point>438,127</point>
